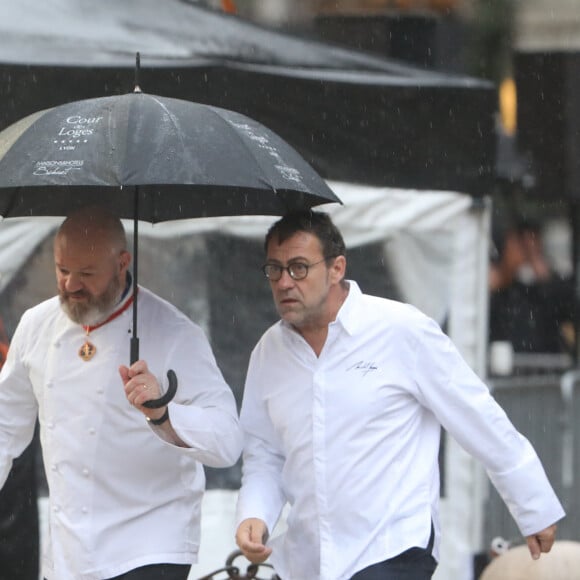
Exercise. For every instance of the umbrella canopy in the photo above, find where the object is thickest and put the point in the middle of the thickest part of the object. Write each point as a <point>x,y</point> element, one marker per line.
<point>151,158</point>
<point>187,159</point>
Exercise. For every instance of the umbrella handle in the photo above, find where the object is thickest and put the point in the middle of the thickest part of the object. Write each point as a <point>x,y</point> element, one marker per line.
<point>169,394</point>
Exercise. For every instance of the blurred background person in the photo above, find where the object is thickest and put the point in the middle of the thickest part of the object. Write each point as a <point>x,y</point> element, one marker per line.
<point>531,305</point>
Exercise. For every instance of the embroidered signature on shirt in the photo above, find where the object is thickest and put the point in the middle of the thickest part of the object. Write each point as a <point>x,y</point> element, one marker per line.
<point>365,367</point>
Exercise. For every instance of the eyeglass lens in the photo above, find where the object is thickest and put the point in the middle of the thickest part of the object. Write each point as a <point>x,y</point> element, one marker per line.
<point>296,270</point>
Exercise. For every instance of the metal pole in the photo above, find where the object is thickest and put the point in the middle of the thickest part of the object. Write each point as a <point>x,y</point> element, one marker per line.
<point>575,212</point>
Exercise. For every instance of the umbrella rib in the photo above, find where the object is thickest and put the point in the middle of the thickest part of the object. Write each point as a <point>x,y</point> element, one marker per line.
<point>247,148</point>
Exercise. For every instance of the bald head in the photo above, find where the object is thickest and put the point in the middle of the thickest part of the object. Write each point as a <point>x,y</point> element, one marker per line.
<point>94,225</point>
<point>91,260</point>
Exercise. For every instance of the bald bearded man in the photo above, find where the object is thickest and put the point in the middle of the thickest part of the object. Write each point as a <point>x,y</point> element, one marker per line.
<point>125,481</point>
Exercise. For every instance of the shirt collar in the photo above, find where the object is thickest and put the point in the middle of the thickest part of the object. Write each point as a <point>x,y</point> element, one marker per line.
<point>128,284</point>
<point>347,314</point>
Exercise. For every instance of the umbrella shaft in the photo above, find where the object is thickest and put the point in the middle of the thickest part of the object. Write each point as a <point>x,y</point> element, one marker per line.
<point>134,349</point>
<point>135,339</point>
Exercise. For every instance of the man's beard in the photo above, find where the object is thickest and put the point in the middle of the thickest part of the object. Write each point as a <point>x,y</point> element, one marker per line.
<point>95,308</point>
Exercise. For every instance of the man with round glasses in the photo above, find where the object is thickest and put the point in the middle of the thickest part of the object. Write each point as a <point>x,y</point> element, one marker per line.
<point>343,405</point>
<point>296,270</point>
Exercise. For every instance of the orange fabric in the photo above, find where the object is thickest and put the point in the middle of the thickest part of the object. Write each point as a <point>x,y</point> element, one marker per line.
<point>4,344</point>
<point>3,353</point>
<point>229,6</point>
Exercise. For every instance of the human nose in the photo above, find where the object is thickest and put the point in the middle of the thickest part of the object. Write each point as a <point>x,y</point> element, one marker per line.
<point>285,281</point>
<point>72,282</point>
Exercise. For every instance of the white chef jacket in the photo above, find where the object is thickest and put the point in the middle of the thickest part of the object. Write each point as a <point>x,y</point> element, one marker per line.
<point>350,439</point>
<point>119,496</point>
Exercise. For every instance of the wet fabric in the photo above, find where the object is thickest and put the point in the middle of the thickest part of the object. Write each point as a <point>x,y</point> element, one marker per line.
<point>350,439</point>
<point>119,495</point>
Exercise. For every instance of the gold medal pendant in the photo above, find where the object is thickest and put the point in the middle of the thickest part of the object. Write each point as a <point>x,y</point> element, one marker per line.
<point>87,351</point>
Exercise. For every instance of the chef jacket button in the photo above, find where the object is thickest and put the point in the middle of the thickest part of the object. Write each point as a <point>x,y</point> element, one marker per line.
<point>56,508</point>
<point>86,472</point>
<point>85,510</point>
<point>54,467</point>
<point>49,385</point>
<point>92,430</point>
<point>50,425</point>
<point>100,390</point>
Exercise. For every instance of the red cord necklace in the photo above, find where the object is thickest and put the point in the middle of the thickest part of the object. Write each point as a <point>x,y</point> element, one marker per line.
<point>88,350</point>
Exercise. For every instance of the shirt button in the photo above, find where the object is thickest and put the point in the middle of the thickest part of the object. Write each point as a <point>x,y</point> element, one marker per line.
<point>56,509</point>
<point>92,431</point>
<point>54,467</point>
<point>49,385</point>
<point>85,510</point>
<point>86,472</point>
<point>100,390</point>
<point>50,425</point>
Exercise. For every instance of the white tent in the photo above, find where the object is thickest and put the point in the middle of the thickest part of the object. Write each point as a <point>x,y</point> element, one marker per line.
<point>436,247</point>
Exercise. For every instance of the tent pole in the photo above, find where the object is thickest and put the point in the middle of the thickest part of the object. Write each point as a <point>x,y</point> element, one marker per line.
<point>575,207</point>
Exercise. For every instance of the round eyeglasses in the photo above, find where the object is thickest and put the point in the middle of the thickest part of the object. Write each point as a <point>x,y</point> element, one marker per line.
<point>296,270</point>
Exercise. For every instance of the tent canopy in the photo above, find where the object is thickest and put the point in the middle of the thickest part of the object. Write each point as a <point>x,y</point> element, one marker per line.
<point>108,33</point>
<point>355,117</point>
<point>438,232</point>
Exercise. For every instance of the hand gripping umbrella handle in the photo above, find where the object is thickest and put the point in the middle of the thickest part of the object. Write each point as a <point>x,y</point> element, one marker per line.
<point>172,388</point>
<point>169,394</point>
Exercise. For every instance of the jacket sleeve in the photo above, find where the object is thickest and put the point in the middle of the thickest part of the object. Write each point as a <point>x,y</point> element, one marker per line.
<point>261,495</point>
<point>203,412</point>
<point>18,406</point>
<point>465,407</point>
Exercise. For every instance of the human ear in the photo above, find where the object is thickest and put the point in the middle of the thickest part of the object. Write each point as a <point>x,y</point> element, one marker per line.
<point>338,269</point>
<point>124,260</point>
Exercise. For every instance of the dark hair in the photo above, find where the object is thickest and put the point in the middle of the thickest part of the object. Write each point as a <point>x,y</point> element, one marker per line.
<point>514,226</point>
<point>313,222</point>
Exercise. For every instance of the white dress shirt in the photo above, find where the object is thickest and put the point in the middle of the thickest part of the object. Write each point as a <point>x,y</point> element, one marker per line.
<point>350,439</point>
<point>119,496</point>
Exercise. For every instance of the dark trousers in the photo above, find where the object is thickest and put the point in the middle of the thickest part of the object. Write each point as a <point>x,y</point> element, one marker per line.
<point>413,564</point>
<point>157,572</point>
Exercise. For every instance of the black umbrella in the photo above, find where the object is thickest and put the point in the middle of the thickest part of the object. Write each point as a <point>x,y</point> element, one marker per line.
<point>151,158</point>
